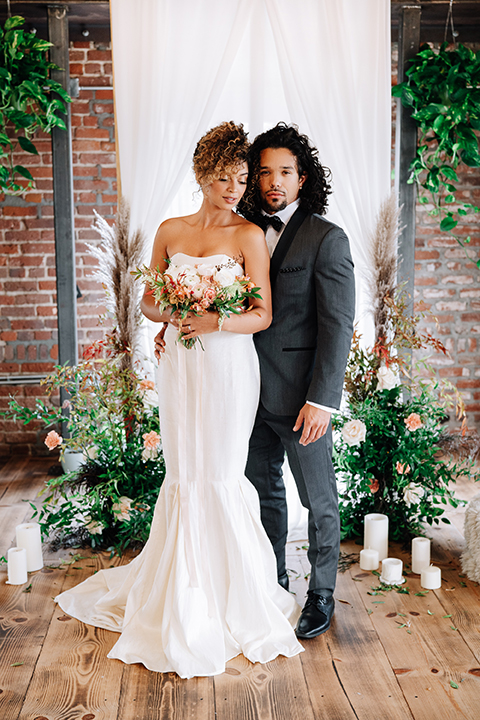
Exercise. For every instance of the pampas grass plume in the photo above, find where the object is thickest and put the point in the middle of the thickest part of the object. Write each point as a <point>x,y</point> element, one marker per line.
<point>118,254</point>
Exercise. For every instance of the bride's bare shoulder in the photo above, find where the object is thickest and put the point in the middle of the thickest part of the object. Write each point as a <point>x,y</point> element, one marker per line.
<point>249,231</point>
<point>173,226</point>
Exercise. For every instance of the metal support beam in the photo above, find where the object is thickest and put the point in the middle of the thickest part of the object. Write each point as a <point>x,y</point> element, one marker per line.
<point>405,149</point>
<point>63,200</point>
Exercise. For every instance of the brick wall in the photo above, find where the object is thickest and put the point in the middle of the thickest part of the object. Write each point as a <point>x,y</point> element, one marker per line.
<point>28,327</point>
<point>447,283</point>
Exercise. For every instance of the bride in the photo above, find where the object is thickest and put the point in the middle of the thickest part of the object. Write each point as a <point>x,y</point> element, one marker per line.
<point>204,588</point>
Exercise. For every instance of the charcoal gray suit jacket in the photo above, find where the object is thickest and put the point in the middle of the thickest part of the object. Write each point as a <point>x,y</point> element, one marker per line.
<point>303,353</point>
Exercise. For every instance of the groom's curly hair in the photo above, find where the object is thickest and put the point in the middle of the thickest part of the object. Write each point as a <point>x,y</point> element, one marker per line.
<point>316,188</point>
<point>219,152</point>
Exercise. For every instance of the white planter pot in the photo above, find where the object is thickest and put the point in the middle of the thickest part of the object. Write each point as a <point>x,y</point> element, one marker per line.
<point>72,461</point>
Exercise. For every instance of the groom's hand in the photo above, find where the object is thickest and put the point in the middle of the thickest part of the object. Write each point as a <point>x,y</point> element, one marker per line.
<point>160,342</point>
<point>315,423</point>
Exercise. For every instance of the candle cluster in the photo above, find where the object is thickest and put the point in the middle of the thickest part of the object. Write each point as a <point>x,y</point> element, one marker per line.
<point>27,556</point>
<point>375,550</point>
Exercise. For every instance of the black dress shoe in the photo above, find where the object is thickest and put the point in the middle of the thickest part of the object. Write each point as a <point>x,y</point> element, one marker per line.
<point>316,616</point>
<point>283,581</point>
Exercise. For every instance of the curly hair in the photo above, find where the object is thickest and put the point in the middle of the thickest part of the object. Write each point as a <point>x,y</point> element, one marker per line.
<point>219,152</point>
<point>315,189</point>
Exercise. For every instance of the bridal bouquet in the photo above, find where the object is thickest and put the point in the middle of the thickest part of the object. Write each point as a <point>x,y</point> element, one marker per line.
<point>198,289</point>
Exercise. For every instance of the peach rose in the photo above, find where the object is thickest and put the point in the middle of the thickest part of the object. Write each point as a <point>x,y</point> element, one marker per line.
<point>151,440</point>
<point>209,295</point>
<point>373,485</point>
<point>413,421</point>
<point>402,468</point>
<point>147,385</point>
<point>53,440</point>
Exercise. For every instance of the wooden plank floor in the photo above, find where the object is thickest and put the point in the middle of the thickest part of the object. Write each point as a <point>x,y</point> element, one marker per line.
<point>393,656</point>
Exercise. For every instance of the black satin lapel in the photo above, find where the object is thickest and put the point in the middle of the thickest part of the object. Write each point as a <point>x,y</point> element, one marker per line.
<point>284,243</point>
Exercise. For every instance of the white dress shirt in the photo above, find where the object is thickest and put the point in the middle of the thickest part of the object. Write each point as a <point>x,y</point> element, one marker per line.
<point>272,237</point>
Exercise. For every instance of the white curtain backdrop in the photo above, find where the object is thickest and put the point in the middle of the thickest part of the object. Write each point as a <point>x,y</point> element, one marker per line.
<point>183,66</point>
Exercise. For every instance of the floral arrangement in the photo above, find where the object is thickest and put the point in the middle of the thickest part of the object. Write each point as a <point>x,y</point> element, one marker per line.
<point>198,289</point>
<point>387,453</point>
<point>109,417</point>
<point>113,422</point>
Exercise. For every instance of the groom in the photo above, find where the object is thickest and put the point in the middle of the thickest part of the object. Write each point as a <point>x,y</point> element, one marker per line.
<point>302,354</point>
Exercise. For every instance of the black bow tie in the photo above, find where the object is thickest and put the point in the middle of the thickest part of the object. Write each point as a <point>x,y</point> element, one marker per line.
<point>274,221</point>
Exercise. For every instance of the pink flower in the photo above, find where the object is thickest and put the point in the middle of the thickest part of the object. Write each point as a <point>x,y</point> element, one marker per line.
<point>53,440</point>
<point>151,440</point>
<point>373,485</point>
<point>198,291</point>
<point>413,422</point>
<point>402,468</point>
<point>147,385</point>
<point>209,295</point>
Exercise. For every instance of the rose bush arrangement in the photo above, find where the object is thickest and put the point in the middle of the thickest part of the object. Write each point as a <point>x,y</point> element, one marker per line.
<point>113,421</point>
<point>386,448</point>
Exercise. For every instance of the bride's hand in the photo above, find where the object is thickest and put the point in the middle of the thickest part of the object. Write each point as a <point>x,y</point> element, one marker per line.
<point>193,325</point>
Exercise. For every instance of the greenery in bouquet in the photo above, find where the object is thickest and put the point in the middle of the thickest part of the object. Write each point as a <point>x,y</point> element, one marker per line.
<point>387,448</point>
<point>198,289</point>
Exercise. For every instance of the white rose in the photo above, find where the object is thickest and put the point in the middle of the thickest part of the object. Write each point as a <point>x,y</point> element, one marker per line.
<point>412,494</point>
<point>174,271</point>
<point>94,527</point>
<point>205,269</point>
<point>121,509</point>
<point>149,453</point>
<point>386,378</point>
<point>189,278</point>
<point>198,291</point>
<point>354,432</point>
<point>150,398</point>
<point>225,276</point>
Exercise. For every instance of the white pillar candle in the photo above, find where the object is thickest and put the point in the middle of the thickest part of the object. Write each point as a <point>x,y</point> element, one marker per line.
<point>431,578</point>
<point>420,554</point>
<point>392,571</point>
<point>369,559</point>
<point>28,537</point>
<point>17,566</point>
<point>375,534</point>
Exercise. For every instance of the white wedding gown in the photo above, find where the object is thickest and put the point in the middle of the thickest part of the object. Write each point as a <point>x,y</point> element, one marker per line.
<point>204,588</point>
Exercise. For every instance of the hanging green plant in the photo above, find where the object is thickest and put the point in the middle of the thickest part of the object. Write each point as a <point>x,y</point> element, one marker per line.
<point>443,91</point>
<point>28,99</point>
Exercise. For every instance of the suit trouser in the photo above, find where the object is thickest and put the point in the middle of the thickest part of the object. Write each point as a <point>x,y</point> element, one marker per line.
<point>314,475</point>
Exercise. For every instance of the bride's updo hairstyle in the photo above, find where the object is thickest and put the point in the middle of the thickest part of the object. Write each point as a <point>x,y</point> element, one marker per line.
<point>220,152</point>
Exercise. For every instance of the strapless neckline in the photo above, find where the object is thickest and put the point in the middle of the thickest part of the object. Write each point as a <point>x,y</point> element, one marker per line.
<point>205,258</point>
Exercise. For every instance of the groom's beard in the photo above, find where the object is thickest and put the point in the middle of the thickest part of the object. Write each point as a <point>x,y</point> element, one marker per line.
<point>273,207</point>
